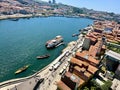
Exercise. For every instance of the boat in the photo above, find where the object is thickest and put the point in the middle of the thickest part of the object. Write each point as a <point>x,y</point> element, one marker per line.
<point>14,19</point>
<point>54,42</point>
<point>22,69</point>
<point>43,56</point>
<point>75,35</point>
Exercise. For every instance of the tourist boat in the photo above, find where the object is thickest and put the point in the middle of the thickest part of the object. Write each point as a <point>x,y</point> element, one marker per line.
<point>43,56</point>
<point>22,69</point>
<point>54,42</point>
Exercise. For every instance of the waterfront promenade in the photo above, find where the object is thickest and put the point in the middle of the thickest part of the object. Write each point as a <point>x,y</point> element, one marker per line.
<point>50,76</point>
<point>18,16</point>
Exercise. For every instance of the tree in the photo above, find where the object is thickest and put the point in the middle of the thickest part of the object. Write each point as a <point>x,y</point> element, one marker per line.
<point>77,10</point>
<point>107,85</point>
<point>86,88</point>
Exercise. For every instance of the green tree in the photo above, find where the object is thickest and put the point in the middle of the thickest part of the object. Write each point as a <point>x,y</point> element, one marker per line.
<point>86,88</point>
<point>77,10</point>
<point>107,85</point>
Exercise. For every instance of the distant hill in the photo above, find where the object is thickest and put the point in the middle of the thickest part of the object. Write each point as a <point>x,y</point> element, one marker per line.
<point>10,7</point>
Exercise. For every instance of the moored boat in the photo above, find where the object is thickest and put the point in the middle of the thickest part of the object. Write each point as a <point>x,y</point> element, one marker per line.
<point>22,69</point>
<point>43,56</point>
<point>54,42</point>
<point>75,35</point>
<point>14,19</point>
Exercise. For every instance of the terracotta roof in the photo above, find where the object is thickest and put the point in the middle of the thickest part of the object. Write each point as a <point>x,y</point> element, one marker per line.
<point>78,62</point>
<point>70,75</point>
<point>92,35</point>
<point>90,58</point>
<point>78,80</point>
<point>62,86</point>
<point>92,69</point>
<point>98,43</point>
<point>85,72</point>
<point>91,38</point>
<point>98,46</point>
<point>96,33</point>
<point>92,51</point>
<point>103,47</point>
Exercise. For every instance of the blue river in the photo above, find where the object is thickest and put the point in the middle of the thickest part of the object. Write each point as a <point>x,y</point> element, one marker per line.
<point>21,41</point>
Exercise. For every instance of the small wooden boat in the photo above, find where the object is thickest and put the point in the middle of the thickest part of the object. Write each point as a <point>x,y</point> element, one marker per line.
<point>43,56</point>
<point>22,69</point>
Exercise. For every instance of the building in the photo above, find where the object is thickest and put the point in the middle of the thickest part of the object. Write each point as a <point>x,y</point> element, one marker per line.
<point>62,86</point>
<point>70,82</point>
<point>80,72</point>
<point>84,64</point>
<point>113,62</point>
<point>86,44</point>
<point>116,84</point>
<point>110,29</point>
<point>87,57</point>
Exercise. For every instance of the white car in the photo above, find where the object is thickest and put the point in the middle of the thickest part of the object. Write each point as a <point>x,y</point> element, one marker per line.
<point>51,68</point>
<point>64,67</point>
<point>61,71</point>
<point>56,65</point>
<point>66,64</point>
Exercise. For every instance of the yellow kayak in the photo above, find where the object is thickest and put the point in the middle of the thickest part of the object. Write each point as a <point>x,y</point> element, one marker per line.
<point>22,69</point>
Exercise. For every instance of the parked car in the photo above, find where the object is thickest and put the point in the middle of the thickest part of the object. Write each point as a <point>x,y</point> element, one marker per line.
<point>51,68</point>
<point>38,83</point>
<point>56,65</point>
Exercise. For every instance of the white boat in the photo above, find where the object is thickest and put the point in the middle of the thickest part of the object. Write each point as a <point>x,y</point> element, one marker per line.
<point>54,42</point>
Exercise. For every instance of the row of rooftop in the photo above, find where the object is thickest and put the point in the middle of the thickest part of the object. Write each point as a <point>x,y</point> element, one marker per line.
<point>86,64</point>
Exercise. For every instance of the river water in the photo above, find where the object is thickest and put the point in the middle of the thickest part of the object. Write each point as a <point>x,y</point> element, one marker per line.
<point>21,41</point>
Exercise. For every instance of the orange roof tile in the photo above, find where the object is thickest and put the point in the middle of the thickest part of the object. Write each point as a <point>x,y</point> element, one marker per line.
<point>78,80</point>
<point>92,51</point>
<point>103,47</point>
<point>96,33</point>
<point>87,74</point>
<point>76,61</point>
<point>92,69</point>
<point>91,38</point>
<point>62,86</point>
<point>90,58</point>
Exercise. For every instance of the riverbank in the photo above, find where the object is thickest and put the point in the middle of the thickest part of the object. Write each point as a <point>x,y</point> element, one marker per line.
<point>29,37</point>
<point>44,73</point>
<point>18,16</point>
<point>14,82</point>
